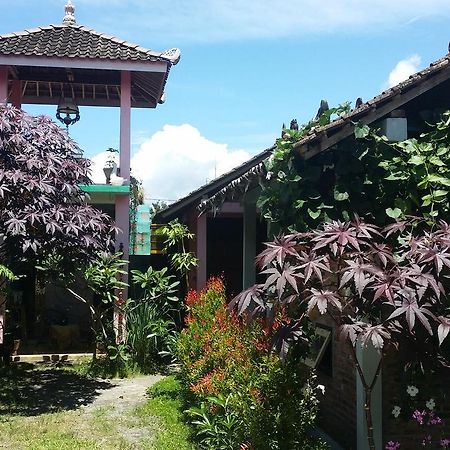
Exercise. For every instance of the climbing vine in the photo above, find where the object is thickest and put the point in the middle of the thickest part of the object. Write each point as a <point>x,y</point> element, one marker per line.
<point>364,174</point>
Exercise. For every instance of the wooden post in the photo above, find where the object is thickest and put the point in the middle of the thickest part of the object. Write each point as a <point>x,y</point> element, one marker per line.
<point>249,245</point>
<point>3,85</point>
<point>201,250</point>
<point>16,94</point>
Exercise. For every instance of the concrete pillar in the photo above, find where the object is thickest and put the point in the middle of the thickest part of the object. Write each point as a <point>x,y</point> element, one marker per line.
<point>368,358</point>
<point>3,84</point>
<point>249,245</point>
<point>202,225</point>
<point>122,202</point>
<point>16,94</point>
<point>125,124</point>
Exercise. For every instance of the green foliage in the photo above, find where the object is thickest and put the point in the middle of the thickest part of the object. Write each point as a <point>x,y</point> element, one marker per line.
<point>173,232</point>
<point>6,276</point>
<point>157,285</point>
<point>364,174</point>
<point>418,172</point>
<point>6,273</point>
<point>103,278</point>
<point>176,234</point>
<point>147,334</point>
<point>136,198</point>
<point>152,317</point>
<point>246,396</point>
<point>291,194</point>
<point>216,430</point>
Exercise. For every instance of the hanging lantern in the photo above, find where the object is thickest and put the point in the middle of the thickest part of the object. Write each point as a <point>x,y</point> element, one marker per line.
<point>67,111</point>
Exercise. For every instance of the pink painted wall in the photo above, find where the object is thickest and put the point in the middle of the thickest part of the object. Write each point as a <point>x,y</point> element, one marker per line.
<point>125,123</point>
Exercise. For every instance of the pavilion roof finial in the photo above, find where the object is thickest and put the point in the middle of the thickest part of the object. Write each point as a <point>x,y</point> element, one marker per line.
<point>69,14</point>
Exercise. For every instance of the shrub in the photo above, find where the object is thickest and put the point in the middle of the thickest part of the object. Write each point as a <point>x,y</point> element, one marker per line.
<point>152,317</point>
<point>247,398</point>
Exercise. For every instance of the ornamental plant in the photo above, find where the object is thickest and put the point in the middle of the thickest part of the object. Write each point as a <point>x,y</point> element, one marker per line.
<point>364,174</point>
<point>152,316</point>
<point>103,277</point>
<point>176,236</point>
<point>43,211</point>
<point>382,287</point>
<point>423,415</point>
<point>239,393</point>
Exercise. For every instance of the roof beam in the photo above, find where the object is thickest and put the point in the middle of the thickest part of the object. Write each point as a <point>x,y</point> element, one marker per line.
<point>86,63</point>
<point>47,100</point>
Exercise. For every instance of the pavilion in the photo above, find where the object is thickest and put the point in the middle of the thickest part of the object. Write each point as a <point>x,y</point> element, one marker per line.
<point>69,65</point>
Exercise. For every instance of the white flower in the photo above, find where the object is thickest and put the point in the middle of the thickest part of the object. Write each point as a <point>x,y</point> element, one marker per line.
<point>430,404</point>
<point>321,388</point>
<point>412,391</point>
<point>269,175</point>
<point>396,411</point>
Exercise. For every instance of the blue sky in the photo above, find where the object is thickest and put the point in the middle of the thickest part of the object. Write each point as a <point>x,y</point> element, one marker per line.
<point>246,68</point>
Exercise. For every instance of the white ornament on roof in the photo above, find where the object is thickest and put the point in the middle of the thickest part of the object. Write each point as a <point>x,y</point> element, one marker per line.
<point>173,55</point>
<point>69,14</point>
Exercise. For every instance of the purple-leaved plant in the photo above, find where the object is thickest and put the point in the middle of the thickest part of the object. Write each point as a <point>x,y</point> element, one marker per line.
<point>43,211</point>
<point>390,297</point>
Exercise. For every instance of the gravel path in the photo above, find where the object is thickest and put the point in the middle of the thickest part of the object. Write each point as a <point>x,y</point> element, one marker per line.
<point>117,404</point>
<point>125,394</point>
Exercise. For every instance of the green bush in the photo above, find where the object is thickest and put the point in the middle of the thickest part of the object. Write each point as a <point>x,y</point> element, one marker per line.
<point>241,395</point>
<point>152,317</point>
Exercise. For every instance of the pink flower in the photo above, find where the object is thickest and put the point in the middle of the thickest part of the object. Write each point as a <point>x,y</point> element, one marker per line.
<point>434,419</point>
<point>418,416</point>
<point>391,445</point>
<point>445,443</point>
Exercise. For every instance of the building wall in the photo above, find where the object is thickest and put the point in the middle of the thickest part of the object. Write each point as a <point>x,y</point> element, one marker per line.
<point>337,415</point>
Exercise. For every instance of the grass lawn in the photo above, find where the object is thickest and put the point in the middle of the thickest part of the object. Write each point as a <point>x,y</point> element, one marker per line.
<point>165,403</point>
<point>33,415</point>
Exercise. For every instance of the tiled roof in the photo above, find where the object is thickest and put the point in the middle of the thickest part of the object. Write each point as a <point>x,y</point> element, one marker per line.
<point>213,187</point>
<point>367,111</point>
<point>317,140</point>
<point>76,41</point>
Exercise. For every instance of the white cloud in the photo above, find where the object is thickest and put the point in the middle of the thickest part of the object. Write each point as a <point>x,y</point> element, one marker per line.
<point>403,70</point>
<point>221,20</point>
<point>176,161</point>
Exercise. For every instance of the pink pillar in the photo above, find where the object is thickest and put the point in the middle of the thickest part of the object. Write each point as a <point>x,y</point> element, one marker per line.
<point>3,84</point>
<point>201,251</point>
<point>125,119</point>
<point>123,201</point>
<point>3,100</point>
<point>16,94</point>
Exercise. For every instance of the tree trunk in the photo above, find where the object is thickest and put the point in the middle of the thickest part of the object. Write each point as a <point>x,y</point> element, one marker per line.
<point>368,415</point>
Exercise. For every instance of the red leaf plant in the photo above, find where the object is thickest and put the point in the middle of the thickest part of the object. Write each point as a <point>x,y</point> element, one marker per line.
<point>381,287</point>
